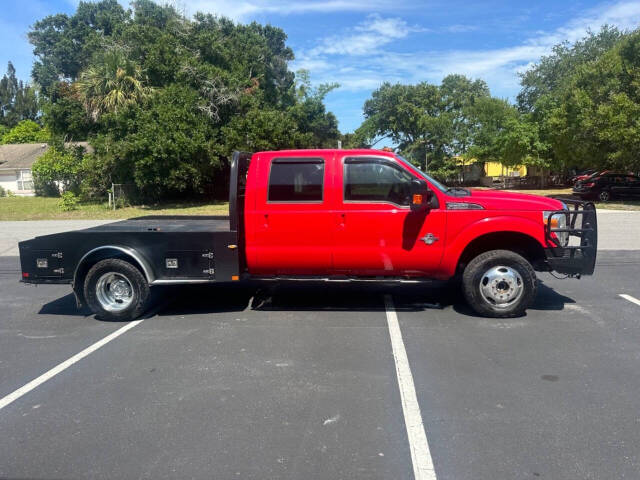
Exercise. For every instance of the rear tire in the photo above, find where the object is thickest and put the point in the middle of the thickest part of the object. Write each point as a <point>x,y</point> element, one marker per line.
<point>499,284</point>
<point>115,290</point>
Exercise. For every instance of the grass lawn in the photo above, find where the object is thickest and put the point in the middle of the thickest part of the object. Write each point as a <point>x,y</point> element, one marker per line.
<point>45,208</point>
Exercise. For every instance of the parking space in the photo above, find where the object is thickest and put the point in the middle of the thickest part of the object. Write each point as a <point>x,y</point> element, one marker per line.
<point>550,395</point>
<point>300,382</point>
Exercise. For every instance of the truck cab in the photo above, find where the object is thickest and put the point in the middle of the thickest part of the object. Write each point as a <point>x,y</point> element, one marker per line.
<point>329,215</point>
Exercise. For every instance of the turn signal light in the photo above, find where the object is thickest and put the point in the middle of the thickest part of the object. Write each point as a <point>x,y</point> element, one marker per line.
<point>417,199</point>
<point>554,222</point>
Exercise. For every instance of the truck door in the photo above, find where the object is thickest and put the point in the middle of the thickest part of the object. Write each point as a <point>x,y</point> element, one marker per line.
<point>292,222</point>
<point>376,232</point>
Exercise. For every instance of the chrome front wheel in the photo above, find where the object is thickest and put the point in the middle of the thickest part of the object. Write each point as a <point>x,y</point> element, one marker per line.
<point>501,286</point>
<point>114,292</point>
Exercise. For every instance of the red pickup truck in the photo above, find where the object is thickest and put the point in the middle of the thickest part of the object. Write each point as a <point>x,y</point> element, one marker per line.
<point>328,215</point>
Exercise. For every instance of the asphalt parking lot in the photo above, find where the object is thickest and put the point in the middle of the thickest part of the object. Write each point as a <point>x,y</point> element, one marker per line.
<point>302,382</point>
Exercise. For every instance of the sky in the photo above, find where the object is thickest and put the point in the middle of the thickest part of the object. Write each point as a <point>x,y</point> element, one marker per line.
<point>362,43</point>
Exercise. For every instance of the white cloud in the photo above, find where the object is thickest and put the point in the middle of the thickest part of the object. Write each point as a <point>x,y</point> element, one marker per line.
<point>366,38</point>
<point>243,9</point>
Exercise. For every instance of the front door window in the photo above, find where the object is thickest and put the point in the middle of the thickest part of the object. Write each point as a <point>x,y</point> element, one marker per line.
<point>374,181</point>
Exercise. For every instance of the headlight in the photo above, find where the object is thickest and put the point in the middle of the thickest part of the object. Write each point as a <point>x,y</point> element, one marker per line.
<point>558,220</point>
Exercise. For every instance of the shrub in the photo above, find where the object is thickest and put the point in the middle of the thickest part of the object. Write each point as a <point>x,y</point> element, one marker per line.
<point>57,169</point>
<point>3,192</point>
<point>27,131</point>
<point>68,202</point>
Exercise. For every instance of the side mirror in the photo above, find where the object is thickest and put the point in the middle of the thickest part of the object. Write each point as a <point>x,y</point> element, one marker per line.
<point>420,195</point>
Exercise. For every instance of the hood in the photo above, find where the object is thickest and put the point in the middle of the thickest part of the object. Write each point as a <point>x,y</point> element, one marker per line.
<point>499,200</point>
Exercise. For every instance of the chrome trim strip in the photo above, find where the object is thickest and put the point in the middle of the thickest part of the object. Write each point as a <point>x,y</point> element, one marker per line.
<point>166,281</point>
<point>146,267</point>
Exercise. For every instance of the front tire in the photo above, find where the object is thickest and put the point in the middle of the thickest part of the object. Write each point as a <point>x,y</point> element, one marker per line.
<point>115,290</point>
<point>499,284</point>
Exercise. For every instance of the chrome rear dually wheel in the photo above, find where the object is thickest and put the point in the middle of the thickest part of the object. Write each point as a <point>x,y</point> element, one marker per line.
<point>116,290</point>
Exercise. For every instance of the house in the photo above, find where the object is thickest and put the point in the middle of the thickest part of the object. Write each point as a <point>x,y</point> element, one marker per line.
<point>472,170</point>
<point>497,169</point>
<point>16,161</point>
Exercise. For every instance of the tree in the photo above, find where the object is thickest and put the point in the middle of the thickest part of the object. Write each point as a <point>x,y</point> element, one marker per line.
<point>110,84</point>
<point>552,72</point>
<point>165,148</point>
<point>27,131</point>
<point>553,100</point>
<point>431,124</point>
<point>412,117</point>
<point>459,97</point>
<point>165,99</point>
<point>64,45</point>
<point>58,169</point>
<point>17,101</point>
<point>309,112</point>
<point>65,116</point>
<point>595,121</point>
<point>491,120</point>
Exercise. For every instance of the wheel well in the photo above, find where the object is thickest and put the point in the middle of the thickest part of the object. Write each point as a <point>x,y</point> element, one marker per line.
<point>519,243</point>
<point>93,258</point>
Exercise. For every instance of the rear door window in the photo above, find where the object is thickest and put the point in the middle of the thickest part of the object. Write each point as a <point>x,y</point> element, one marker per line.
<point>296,180</point>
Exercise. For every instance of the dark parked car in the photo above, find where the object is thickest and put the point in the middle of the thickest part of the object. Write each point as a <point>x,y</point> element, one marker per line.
<point>608,186</point>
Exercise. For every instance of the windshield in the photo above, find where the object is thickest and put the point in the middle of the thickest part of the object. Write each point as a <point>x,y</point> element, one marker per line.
<point>431,180</point>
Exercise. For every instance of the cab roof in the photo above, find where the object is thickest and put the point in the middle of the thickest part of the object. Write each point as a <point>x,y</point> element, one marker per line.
<point>324,151</point>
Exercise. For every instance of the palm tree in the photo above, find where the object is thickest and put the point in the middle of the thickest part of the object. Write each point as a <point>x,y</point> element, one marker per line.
<point>110,84</point>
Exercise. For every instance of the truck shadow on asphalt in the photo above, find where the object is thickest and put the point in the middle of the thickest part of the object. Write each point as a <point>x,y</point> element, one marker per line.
<point>359,297</point>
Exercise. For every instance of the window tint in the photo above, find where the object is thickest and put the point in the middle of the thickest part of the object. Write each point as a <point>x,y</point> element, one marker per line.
<point>296,180</point>
<point>375,181</point>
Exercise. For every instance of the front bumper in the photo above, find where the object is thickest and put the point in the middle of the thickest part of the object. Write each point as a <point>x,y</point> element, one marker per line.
<point>578,257</point>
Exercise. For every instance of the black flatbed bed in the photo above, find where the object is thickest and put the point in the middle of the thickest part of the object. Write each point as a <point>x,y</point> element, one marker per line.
<point>167,249</point>
<point>173,223</point>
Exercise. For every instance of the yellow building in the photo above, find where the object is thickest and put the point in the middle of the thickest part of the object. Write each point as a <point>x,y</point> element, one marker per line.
<point>496,169</point>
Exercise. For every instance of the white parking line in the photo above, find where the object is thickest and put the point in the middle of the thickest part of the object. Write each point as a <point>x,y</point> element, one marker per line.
<point>12,397</point>
<point>420,454</point>
<point>630,298</point>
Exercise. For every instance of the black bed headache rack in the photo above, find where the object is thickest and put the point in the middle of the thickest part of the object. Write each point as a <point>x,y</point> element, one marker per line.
<point>578,257</point>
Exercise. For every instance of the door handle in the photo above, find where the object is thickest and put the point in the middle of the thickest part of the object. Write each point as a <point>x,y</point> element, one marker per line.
<point>266,220</point>
<point>342,218</point>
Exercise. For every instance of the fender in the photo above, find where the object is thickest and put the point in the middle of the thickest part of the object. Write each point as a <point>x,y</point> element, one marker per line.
<point>487,225</point>
<point>128,251</point>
